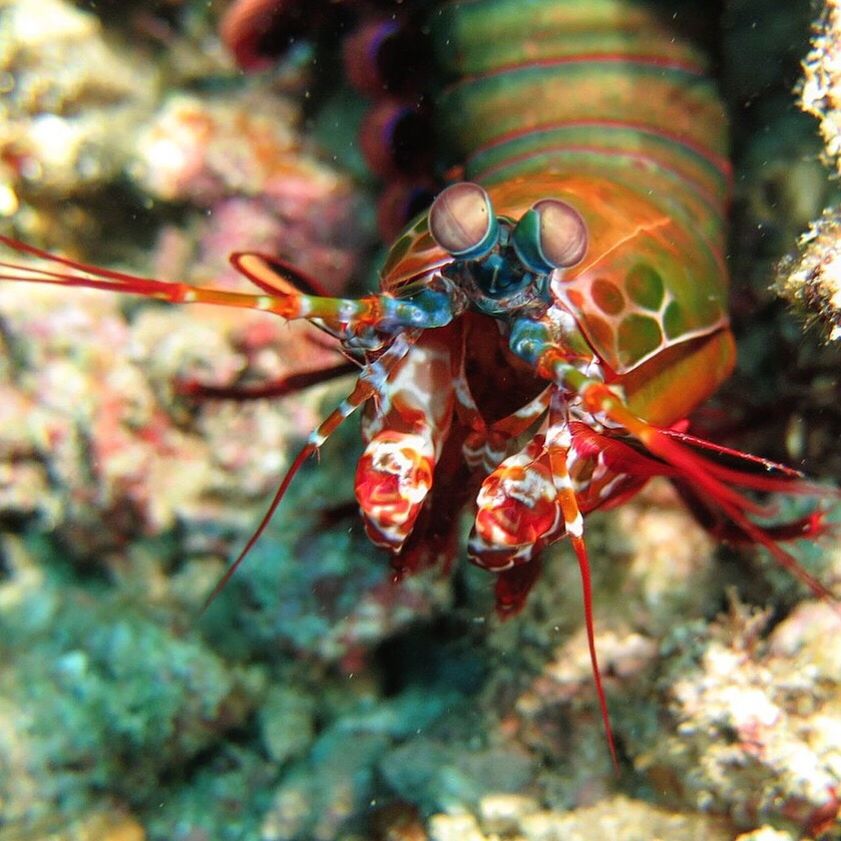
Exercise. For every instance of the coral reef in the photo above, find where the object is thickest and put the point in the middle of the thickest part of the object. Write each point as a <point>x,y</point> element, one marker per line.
<point>100,385</point>
<point>98,695</point>
<point>241,159</point>
<point>108,453</point>
<point>820,94</point>
<point>812,278</point>
<point>71,102</point>
<point>617,818</point>
<point>786,384</point>
<point>756,733</point>
<point>64,106</point>
<point>316,700</point>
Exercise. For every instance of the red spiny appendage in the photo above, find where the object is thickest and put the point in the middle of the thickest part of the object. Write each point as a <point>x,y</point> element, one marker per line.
<point>813,525</point>
<point>277,388</point>
<point>275,276</point>
<point>679,433</point>
<point>762,536</point>
<point>810,527</point>
<point>733,467</point>
<point>303,455</point>
<point>617,455</point>
<point>84,275</point>
<point>713,486</point>
<point>580,549</point>
<point>393,478</point>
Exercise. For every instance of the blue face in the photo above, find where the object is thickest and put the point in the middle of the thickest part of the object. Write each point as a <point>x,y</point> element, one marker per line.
<point>498,283</point>
<point>498,278</point>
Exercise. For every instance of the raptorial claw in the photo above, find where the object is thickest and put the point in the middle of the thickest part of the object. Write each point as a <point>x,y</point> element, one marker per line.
<point>393,478</point>
<point>518,510</point>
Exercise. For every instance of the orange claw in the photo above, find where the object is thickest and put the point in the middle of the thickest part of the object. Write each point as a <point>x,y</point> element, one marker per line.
<point>393,478</point>
<point>517,509</point>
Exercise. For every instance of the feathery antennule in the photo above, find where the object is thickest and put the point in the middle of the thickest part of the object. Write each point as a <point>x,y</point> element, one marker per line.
<point>96,277</point>
<point>283,299</point>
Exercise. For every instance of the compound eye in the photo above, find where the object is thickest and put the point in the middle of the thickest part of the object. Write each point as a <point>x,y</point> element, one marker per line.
<point>552,235</point>
<point>462,221</point>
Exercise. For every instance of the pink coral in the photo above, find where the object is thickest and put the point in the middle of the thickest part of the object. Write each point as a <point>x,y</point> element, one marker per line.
<point>105,452</point>
<point>242,159</point>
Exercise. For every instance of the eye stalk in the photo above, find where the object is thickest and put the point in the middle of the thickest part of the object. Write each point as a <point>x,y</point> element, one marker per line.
<point>502,266</point>
<point>462,221</point>
<point>551,235</point>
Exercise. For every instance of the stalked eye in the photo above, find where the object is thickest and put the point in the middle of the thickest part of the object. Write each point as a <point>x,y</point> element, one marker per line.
<point>552,235</point>
<point>462,221</point>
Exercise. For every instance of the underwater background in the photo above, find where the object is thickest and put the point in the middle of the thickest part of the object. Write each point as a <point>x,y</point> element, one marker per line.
<point>316,700</point>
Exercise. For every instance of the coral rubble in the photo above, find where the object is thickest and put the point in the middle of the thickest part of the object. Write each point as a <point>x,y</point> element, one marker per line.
<point>757,721</point>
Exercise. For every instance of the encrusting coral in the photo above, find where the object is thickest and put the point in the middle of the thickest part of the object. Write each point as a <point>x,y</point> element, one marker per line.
<point>813,278</point>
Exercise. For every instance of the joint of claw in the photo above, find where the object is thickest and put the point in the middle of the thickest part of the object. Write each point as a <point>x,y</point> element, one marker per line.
<point>598,397</point>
